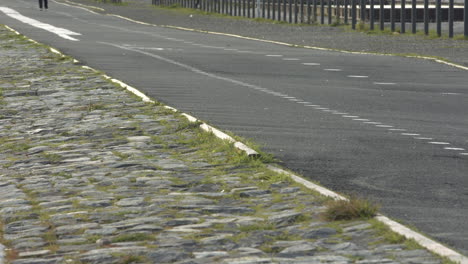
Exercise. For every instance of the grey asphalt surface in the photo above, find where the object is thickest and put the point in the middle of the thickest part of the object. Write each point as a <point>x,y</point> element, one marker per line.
<point>315,119</point>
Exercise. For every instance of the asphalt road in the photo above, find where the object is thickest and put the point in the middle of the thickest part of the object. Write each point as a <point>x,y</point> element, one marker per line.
<point>388,128</point>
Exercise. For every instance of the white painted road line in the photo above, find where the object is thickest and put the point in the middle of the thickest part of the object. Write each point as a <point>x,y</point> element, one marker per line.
<point>410,134</point>
<point>424,138</point>
<point>384,83</point>
<point>335,70</point>
<point>311,64</point>
<point>357,76</point>
<point>459,149</point>
<point>439,143</point>
<point>61,32</point>
<point>373,123</point>
<point>450,93</point>
<point>274,55</point>
<point>384,126</point>
<point>290,59</point>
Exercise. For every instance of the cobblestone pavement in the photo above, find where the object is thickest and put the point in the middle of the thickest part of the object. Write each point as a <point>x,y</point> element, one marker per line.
<point>90,174</point>
<point>303,35</point>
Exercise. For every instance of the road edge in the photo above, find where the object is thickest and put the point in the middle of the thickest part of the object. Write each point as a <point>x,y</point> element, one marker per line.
<point>396,227</point>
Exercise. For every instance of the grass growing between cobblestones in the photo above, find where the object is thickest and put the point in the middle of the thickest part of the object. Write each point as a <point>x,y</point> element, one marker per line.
<point>354,208</point>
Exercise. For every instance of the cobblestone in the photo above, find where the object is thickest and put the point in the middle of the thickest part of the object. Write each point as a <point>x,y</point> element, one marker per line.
<point>89,174</point>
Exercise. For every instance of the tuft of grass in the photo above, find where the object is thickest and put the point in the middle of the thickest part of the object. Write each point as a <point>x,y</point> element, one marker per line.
<point>256,227</point>
<point>52,157</point>
<point>354,208</point>
<point>120,154</point>
<point>132,237</point>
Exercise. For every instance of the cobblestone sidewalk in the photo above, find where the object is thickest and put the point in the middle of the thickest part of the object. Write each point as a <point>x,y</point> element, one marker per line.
<point>90,174</point>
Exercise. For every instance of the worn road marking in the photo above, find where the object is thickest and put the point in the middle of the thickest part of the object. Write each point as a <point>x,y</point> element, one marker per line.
<point>61,32</point>
<point>384,83</point>
<point>410,134</point>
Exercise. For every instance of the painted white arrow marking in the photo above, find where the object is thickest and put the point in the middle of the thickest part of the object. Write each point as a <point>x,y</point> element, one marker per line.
<point>62,32</point>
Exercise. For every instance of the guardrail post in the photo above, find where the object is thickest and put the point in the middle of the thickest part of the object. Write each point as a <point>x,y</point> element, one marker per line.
<point>426,17</point>
<point>413,16</point>
<point>290,11</point>
<point>465,19</point>
<point>403,16</point>
<point>382,15</point>
<point>371,15</point>
<point>353,14</point>
<point>363,10</point>
<point>450,17</point>
<point>322,11</point>
<point>274,10</point>
<point>439,17</point>
<point>346,3</point>
<point>315,10</point>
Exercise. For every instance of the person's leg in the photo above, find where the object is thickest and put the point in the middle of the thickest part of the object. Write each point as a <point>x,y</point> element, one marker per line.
<point>40,4</point>
<point>46,4</point>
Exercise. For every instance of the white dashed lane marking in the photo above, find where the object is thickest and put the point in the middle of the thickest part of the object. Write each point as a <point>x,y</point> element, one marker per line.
<point>335,70</point>
<point>274,55</point>
<point>384,83</point>
<point>310,63</point>
<point>373,123</point>
<point>439,143</point>
<point>358,76</point>
<point>447,148</point>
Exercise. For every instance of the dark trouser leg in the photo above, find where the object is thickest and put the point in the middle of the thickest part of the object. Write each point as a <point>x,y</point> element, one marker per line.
<point>46,4</point>
<point>40,4</point>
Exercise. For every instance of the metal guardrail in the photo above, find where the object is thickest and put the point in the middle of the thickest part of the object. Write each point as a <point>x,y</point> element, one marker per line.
<point>387,13</point>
